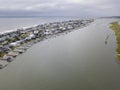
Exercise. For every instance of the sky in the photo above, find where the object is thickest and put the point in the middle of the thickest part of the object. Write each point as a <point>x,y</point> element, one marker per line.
<point>60,8</point>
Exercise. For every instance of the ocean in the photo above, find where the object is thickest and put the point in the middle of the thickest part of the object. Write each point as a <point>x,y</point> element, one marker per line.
<point>14,23</point>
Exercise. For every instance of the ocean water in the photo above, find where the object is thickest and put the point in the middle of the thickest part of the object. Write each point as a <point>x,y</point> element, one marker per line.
<point>79,60</point>
<point>14,23</point>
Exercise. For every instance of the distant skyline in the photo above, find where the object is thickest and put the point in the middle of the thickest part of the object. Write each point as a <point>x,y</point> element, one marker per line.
<point>81,8</point>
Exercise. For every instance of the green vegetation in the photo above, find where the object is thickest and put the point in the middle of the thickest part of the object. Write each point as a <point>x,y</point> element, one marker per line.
<point>106,39</point>
<point>2,54</point>
<point>116,28</point>
<point>24,35</point>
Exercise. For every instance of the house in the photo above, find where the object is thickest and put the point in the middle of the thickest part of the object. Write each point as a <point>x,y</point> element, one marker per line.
<point>69,27</point>
<point>6,49</point>
<point>4,42</point>
<point>13,54</point>
<point>1,49</point>
<point>36,32</point>
<point>14,44</point>
<point>63,28</point>
<point>31,36</point>
<point>19,51</point>
<point>2,39</point>
<point>47,32</point>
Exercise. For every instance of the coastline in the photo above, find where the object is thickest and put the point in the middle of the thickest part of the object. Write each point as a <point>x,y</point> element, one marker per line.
<point>18,41</point>
<point>115,26</point>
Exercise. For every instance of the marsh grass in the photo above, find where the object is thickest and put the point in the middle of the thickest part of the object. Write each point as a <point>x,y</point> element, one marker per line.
<point>106,39</point>
<point>116,28</point>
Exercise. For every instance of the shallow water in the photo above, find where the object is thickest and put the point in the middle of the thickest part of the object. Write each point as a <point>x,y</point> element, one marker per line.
<point>79,60</point>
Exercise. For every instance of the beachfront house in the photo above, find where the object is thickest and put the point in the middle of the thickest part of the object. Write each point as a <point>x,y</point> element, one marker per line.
<point>14,44</point>
<point>63,28</point>
<point>1,48</point>
<point>47,32</point>
<point>6,49</point>
<point>31,36</point>
<point>23,31</point>
<point>2,39</point>
<point>69,27</point>
<point>35,32</point>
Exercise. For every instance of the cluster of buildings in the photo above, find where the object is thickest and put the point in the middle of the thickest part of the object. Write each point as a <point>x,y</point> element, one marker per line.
<point>16,42</point>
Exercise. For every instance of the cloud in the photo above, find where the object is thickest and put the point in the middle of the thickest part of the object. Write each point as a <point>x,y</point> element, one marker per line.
<point>60,7</point>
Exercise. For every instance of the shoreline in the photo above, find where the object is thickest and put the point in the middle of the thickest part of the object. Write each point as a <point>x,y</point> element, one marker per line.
<point>115,26</point>
<point>17,42</point>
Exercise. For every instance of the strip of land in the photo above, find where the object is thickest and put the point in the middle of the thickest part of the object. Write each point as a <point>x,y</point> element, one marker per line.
<point>115,26</point>
<point>16,42</point>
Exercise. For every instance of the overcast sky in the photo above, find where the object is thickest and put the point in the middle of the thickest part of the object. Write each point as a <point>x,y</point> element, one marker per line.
<point>60,7</point>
